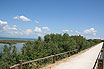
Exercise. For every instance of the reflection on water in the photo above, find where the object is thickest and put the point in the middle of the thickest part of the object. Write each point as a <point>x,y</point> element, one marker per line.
<point>18,46</point>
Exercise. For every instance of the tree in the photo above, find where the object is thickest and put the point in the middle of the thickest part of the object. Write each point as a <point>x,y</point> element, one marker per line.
<point>39,38</point>
<point>6,50</point>
<point>47,38</point>
<point>65,37</point>
<point>14,51</point>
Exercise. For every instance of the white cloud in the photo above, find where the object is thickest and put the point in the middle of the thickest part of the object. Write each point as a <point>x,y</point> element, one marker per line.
<point>3,22</point>
<point>28,31</point>
<point>9,30</point>
<point>38,30</point>
<point>16,17</point>
<point>90,31</point>
<point>6,27</point>
<point>12,30</point>
<point>71,31</point>
<point>19,32</point>
<point>45,28</point>
<point>36,21</point>
<point>77,32</point>
<point>39,34</point>
<point>67,30</point>
<point>14,26</point>
<point>23,18</point>
<point>93,37</point>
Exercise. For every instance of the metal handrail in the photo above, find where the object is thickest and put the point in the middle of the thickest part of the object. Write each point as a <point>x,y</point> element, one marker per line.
<point>96,60</point>
<point>99,57</point>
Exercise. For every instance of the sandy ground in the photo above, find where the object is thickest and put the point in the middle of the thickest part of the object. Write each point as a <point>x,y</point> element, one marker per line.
<point>83,60</point>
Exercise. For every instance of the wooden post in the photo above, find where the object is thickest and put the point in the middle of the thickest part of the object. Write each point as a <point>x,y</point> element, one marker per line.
<point>77,50</point>
<point>100,63</point>
<point>13,68</point>
<point>54,58</point>
<point>69,53</point>
<point>20,67</point>
<point>102,53</point>
<point>103,50</point>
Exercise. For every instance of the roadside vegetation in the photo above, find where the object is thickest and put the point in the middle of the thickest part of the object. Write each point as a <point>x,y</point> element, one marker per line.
<point>52,43</point>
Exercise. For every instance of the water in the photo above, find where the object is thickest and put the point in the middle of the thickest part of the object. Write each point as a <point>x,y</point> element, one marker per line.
<point>7,38</point>
<point>18,46</point>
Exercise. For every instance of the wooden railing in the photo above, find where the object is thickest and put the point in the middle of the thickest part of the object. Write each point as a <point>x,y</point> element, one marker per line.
<point>99,61</point>
<point>51,56</point>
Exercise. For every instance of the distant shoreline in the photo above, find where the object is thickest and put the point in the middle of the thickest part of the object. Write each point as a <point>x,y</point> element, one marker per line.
<point>13,41</point>
<point>11,38</point>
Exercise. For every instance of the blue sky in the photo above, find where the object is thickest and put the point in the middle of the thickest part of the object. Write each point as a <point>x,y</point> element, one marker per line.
<point>32,18</point>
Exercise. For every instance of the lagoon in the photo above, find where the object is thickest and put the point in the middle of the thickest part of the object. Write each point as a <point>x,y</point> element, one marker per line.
<point>18,46</point>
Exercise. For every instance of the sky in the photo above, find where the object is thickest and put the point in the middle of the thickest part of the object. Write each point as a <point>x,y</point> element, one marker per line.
<point>32,18</point>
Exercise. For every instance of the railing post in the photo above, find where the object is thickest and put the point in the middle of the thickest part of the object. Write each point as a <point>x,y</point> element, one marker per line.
<point>20,67</point>
<point>69,53</point>
<point>103,50</point>
<point>54,58</point>
<point>13,68</point>
<point>77,50</point>
<point>100,63</point>
<point>102,54</point>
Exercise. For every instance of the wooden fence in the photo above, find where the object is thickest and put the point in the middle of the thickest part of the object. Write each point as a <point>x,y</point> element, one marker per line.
<point>52,56</point>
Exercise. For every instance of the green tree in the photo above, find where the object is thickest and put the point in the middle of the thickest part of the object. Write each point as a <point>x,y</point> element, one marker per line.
<point>39,38</point>
<point>14,51</point>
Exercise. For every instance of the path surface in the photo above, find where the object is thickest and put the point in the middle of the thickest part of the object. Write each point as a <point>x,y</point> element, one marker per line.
<point>85,60</point>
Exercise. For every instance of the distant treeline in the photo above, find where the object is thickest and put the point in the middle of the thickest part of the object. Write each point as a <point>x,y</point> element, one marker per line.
<point>13,41</point>
<point>52,43</point>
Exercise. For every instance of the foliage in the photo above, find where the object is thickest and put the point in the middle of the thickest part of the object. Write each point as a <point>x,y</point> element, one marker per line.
<point>52,43</point>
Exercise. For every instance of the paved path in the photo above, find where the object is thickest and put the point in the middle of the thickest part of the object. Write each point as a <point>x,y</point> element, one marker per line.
<point>85,60</point>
